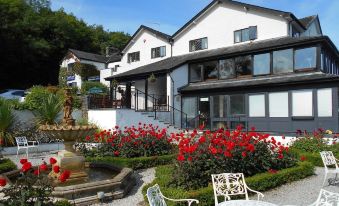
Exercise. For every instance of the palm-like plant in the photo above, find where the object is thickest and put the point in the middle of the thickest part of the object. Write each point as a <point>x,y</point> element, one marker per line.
<point>49,110</point>
<point>7,119</point>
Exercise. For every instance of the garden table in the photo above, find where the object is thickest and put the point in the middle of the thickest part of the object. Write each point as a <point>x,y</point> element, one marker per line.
<point>246,202</point>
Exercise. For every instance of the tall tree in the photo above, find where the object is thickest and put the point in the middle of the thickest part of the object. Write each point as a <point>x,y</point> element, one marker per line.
<point>34,39</point>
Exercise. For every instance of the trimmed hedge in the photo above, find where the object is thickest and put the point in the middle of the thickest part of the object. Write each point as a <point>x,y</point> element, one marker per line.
<point>7,165</point>
<point>314,158</point>
<point>135,163</point>
<point>260,182</point>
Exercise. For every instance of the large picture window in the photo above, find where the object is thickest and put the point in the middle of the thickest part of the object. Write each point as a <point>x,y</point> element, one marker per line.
<point>219,106</point>
<point>198,44</point>
<point>257,105</point>
<point>261,64</point>
<point>210,70</point>
<point>226,68</point>
<point>324,99</point>
<point>302,103</point>
<point>243,65</point>
<point>196,72</point>
<point>305,58</point>
<point>278,104</point>
<point>283,61</point>
<point>237,105</point>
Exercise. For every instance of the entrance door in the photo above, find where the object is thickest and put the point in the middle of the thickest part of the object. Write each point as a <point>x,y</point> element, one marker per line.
<point>204,111</point>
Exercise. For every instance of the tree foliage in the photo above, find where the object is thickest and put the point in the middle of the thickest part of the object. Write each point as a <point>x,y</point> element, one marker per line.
<point>34,39</point>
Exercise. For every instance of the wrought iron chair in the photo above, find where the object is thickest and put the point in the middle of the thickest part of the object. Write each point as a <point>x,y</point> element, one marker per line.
<point>231,184</point>
<point>156,198</point>
<point>22,143</point>
<point>329,160</point>
<point>326,198</point>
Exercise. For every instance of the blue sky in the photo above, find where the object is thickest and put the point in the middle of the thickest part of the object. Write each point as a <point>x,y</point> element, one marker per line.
<point>169,15</point>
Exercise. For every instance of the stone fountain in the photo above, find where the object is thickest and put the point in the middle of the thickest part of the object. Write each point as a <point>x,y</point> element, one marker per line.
<point>69,159</point>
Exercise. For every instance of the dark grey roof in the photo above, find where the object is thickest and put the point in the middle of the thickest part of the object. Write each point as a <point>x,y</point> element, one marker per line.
<point>96,57</point>
<point>261,81</point>
<point>307,20</point>
<point>241,49</point>
<point>284,14</point>
<point>156,32</point>
<point>116,57</point>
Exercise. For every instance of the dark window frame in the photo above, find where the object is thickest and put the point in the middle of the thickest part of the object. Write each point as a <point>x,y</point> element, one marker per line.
<point>241,34</point>
<point>194,40</point>
<point>155,48</point>
<point>133,54</point>
<point>317,65</point>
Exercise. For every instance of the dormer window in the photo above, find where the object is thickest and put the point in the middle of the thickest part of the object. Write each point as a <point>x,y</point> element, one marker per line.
<point>198,44</point>
<point>133,57</point>
<point>158,52</point>
<point>246,34</point>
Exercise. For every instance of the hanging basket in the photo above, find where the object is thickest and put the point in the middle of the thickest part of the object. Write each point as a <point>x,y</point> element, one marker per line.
<point>152,78</point>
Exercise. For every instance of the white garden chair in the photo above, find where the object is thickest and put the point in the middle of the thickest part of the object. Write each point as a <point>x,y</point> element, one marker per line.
<point>326,198</point>
<point>156,198</point>
<point>22,143</point>
<point>329,160</point>
<point>231,184</point>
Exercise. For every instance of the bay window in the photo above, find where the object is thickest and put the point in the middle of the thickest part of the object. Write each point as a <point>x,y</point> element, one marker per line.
<point>261,64</point>
<point>283,61</point>
<point>243,65</point>
<point>305,58</point>
<point>226,68</point>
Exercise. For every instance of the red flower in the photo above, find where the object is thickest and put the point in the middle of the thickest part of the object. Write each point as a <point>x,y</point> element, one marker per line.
<point>43,167</point>
<point>88,138</point>
<point>3,182</point>
<point>52,161</point>
<point>272,171</point>
<point>56,169</point>
<point>23,161</point>
<point>181,158</point>
<point>201,127</point>
<point>244,154</point>
<point>25,167</point>
<point>202,139</point>
<point>116,153</point>
<point>280,156</point>
<point>302,158</point>
<point>36,172</point>
<point>64,176</point>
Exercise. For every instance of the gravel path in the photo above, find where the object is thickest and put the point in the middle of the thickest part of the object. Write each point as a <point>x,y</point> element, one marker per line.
<point>135,196</point>
<point>303,192</point>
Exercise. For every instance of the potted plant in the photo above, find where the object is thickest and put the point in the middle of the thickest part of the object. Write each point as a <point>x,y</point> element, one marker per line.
<point>152,78</point>
<point>115,83</point>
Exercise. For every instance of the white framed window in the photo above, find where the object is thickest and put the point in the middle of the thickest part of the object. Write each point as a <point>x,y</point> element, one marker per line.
<point>257,105</point>
<point>278,104</point>
<point>324,99</point>
<point>302,103</point>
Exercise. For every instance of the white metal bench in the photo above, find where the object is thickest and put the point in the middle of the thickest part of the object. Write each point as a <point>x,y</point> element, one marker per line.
<point>326,198</point>
<point>329,160</point>
<point>156,198</point>
<point>22,143</point>
<point>230,184</point>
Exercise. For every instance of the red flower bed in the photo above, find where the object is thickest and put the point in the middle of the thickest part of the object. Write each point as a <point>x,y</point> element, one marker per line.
<point>143,140</point>
<point>203,154</point>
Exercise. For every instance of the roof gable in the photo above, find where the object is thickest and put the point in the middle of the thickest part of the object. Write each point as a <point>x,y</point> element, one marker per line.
<point>95,57</point>
<point>143,28</point>
<point>286,15</point>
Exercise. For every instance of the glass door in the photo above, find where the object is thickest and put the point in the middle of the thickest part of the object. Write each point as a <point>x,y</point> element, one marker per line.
<point>204,112</point>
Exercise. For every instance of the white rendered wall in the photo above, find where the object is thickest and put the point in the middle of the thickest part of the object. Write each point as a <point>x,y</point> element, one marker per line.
<point>98,65</point>
<point>143,42</point>
<point>103,74</point>
<point>222,20</point>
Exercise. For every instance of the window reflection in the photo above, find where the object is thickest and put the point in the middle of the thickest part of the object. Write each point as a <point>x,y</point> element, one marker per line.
<point>237,105</point>
<point>283,61</point>
<point>211,70</point>
<point>219,106</point>
<point>226,68</point>
<point>243,65</point>
<point>305,58</point>
<point>261,64</point>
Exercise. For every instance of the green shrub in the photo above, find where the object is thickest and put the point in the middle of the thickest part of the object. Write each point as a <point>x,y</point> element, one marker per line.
<point>86,86</point>
<point>49,110</point>
<point>62,203</point>
<point>135,163</point>
<point>7,119</point>
<point>16,104</point>
<point>261,182</point>
<point>6,165</point>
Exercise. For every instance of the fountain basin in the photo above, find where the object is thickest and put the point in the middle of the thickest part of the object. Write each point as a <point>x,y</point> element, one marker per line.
<point>115,182</point>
